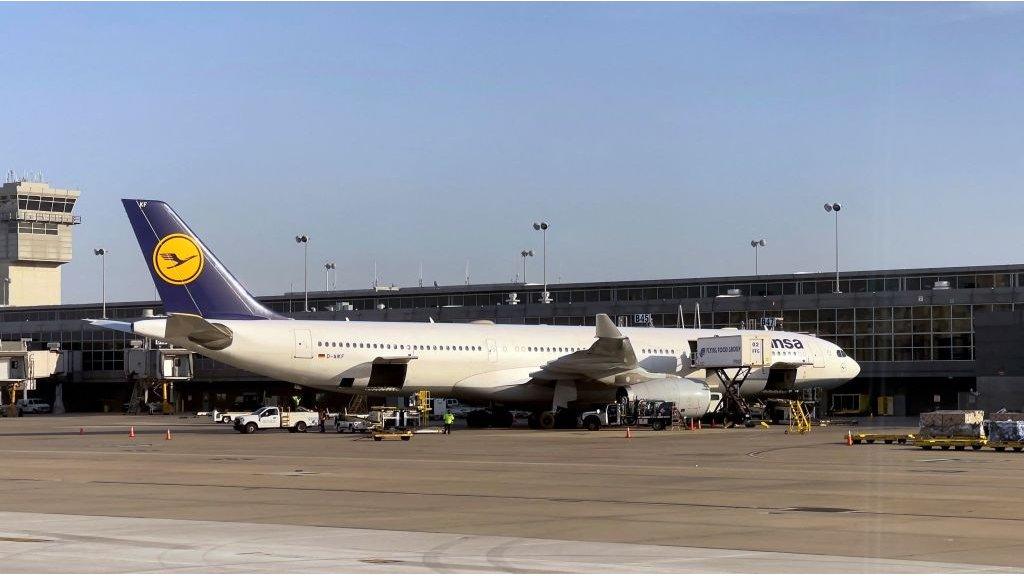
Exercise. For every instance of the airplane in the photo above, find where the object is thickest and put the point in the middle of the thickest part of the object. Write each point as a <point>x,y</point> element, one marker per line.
<point>540,368</point>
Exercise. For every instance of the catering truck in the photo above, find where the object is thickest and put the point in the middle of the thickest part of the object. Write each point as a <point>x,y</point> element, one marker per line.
<point>271,417</point>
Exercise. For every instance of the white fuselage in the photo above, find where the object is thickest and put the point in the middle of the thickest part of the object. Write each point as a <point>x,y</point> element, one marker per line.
<point>476,362</point>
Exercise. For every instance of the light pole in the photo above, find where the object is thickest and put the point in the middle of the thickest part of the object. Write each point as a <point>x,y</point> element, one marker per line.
<point>7,291</point>
<point>835,207</point>
<point>525,254</point>
<point>545,298</point>
<point>102,253</point>
<point>328,266</point>
<point>756,244</point>
<point>304,240</point>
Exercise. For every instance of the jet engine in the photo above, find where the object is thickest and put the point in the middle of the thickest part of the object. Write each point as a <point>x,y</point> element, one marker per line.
<point>691,397</point>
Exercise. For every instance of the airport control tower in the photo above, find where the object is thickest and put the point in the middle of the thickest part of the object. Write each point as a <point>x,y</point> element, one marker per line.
<point>35,239</point>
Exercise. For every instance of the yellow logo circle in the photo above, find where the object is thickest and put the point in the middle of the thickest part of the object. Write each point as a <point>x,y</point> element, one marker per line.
<point>177,259</point>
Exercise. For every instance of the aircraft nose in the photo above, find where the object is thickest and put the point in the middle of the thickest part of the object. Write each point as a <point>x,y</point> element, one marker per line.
<point>855,368</point>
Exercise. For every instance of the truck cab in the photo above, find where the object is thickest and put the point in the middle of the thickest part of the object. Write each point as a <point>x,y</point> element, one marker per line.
<point>607,415</point>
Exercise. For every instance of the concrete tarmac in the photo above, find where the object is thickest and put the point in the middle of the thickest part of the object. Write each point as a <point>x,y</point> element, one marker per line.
<point>714,500</point>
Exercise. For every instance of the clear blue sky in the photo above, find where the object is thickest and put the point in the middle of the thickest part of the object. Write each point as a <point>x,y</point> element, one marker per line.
<point>657,139</point>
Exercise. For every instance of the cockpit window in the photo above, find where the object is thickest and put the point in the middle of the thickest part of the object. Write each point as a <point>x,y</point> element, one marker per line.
<point>840,353</point>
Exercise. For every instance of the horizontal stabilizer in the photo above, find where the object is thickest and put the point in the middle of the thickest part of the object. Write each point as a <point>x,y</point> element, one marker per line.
<point>198,331</point>
<point>112,325</point>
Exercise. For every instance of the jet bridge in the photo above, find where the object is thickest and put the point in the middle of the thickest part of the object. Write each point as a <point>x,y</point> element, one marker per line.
<point>154,367</point>
<point>21,367</point>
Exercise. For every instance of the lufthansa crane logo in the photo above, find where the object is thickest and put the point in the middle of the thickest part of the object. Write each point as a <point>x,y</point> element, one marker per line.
<point>178,259</point>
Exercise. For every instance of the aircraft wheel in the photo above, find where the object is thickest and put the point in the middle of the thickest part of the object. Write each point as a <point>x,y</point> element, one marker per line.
<point>502,419</point>
<point>546,420</point>
<point>478,419</point>
<point>534,420</point>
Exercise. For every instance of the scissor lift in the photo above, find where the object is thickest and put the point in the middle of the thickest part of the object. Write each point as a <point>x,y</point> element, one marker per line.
<point>731,359</point>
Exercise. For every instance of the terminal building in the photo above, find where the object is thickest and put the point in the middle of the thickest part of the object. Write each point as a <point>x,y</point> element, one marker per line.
<point>925,338</point>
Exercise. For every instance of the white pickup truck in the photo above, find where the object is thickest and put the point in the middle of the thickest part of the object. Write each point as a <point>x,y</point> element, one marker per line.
<point>269,417</point>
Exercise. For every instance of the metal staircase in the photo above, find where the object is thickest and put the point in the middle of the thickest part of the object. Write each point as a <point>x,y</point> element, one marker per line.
<point>799,422</point>
<point>357,404</point>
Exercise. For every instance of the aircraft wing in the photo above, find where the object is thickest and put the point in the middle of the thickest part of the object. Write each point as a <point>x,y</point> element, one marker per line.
<point>610,354</point>
<point>394,359</point>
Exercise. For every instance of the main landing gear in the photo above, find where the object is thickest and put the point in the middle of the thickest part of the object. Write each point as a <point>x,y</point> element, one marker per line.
<point>493,418</point>
<point>541,420</point>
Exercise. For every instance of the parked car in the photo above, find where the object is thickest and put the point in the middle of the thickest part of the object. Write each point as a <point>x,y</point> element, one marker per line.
<point>33,406</point>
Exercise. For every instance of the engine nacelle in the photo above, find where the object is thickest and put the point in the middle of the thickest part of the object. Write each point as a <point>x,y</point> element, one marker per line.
<point>692,398</point>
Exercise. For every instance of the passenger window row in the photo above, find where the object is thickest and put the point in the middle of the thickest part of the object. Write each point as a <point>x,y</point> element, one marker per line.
<point>657,351</point>
<point>413,347</point>
<point>547,349</point>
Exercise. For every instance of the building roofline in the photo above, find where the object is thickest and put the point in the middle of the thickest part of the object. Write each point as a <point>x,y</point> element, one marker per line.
<point>511,287</point>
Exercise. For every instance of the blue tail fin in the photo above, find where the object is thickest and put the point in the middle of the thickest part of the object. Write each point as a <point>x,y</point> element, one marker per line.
<point>189,277</point>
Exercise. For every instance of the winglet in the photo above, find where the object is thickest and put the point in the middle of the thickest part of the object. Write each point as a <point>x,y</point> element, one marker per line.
<point>606,328</point>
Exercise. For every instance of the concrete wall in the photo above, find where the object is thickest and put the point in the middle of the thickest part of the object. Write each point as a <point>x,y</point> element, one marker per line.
<point>32,284</point>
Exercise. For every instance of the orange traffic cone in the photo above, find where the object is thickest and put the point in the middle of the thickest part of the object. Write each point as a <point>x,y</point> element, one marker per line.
<point>629,433</point>
<point>168,435</point>
<point>131,432</point>
<point>849,438</point>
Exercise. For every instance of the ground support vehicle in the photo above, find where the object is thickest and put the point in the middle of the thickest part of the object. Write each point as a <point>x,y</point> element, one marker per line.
<point>956,443</point>
<point>229,416</point>
<point>271,417</point>
<point>653,413</point>
<point>33,406</point>
<point>356,426</point>
<point>885,438</point>
<point>1002,445</point>
<point>379,436</point>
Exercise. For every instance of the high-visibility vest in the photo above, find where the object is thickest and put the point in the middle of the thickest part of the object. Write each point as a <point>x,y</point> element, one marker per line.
<point>449,418</point>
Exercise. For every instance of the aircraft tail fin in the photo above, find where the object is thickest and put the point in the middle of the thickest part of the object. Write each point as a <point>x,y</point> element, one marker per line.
<point>188,276</point>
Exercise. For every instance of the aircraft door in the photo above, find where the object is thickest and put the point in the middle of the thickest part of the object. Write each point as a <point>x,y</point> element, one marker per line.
<point>303,344</point>
<point>492,351</point>
<point>817,354</point>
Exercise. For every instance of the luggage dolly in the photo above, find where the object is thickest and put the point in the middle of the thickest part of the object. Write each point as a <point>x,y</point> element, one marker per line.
<point>379,436</point>
<point>1002,445</point>
<point>886,438</point>
<point>952,442</point>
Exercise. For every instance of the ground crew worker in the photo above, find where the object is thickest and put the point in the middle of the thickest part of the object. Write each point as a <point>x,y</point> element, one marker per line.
<point>323,419</point>
<point>449,418</point>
